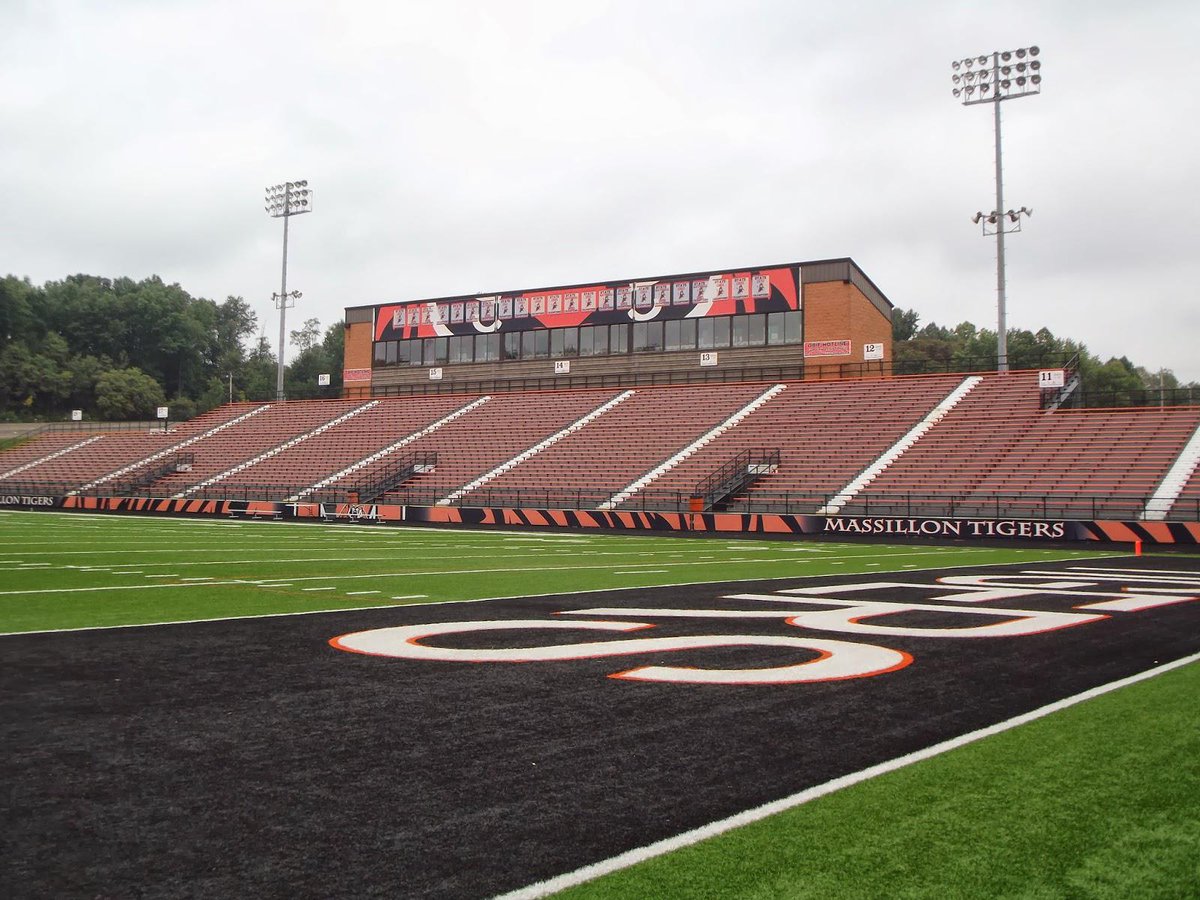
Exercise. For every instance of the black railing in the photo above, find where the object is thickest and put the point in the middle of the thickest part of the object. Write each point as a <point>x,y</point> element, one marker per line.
<point>1046,506</point>
<point>395,473</point>
<point>133,482</point>
<point>36,429</point>
<point>735,476</point>
<point>1083,398</point>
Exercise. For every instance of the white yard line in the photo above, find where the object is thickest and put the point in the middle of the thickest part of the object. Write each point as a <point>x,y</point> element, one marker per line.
<point>492,571</point>
<point>334,610</point>
<point>687,838</point>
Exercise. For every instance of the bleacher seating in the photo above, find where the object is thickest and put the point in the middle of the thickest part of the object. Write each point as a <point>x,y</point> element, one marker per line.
<point>225,449</point>
<point>39,447</point>
<point>616,448</point>
<point>826,433</point>
<point>310,461</point>
<point>490,434</point>
<point>117,449</point>
<point>994,454</point>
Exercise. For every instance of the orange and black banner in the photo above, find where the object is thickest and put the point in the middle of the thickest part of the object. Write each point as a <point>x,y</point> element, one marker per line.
<point>670,297</point>
<point>890,528</point>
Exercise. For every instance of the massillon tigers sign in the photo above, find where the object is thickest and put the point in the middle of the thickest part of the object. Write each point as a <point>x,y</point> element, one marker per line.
<point>837,631</point>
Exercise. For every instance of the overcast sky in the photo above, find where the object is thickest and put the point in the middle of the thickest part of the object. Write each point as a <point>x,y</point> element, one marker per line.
<point>459,147</point>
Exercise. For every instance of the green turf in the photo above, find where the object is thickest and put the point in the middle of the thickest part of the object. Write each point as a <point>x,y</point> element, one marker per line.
<point>64,570</point>
<point>1096,801</point>
<point>1099,800</point>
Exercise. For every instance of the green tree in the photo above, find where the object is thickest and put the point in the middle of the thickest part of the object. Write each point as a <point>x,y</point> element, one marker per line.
<point>904,324</point>
<point>308,335</point>
<point>18,300</point>
<point>259,374</point>
<point>31,382</point>
<point>318,358</point>
<point>127,394</point>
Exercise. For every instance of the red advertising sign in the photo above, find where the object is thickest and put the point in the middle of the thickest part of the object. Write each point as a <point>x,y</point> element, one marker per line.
<point>826,348</point>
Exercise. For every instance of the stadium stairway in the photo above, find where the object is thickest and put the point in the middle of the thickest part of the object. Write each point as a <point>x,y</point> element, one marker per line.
<point>894,452</point>
<point>48,447</point>
<point>537,448</point>
<point>705,439</point>
<point>280,448</point>
<point>361,469</point>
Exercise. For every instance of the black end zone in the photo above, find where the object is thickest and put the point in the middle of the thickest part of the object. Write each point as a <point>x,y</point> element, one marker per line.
<point>253,758</point>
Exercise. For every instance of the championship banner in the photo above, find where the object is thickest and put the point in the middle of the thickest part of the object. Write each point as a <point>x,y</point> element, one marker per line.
<point>673,297</point>
<point>350,375</point>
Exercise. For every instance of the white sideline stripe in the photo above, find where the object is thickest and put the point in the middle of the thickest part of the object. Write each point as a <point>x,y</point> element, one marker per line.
<point>894,452</point>
<point>276,450</point>
<point>1174,480</point>
<point>161,453</point>
<point>658,471</point>
<point>390,448</point>
<point>537,448</point>
<point>55,455</point>
<point>659,848</point>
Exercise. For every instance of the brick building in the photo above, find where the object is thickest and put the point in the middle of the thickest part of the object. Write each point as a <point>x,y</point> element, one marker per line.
<point>823,319</point>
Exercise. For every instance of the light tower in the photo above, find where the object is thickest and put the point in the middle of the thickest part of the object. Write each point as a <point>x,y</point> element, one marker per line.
<point>1004,75</point>
<point>286,200</point>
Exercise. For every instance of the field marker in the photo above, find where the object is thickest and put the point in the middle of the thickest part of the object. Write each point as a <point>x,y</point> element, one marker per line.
<point>317,589</point>
<point>414,597</point>
<point>357,593</point>
<point>197,578</point>
<point>687,838</point>
<point>643,572</point>
<point>171,575</point>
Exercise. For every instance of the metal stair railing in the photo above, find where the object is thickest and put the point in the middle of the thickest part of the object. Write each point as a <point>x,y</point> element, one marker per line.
<point>735,476</point>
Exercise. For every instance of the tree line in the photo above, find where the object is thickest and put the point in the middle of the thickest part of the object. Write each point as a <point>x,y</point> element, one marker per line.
<point>968,348</point>
<point>118,348</point>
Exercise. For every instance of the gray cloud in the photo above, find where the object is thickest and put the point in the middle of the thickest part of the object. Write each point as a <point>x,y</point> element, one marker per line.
<point>467,146</point>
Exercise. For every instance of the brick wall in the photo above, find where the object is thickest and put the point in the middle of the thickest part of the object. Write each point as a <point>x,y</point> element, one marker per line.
<point>838,311</point>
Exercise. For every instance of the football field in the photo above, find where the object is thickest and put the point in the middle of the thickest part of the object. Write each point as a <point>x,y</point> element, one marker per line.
<point>243,708</point>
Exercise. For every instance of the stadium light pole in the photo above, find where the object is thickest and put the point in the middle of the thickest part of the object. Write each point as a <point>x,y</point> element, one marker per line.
<point>1005,75</point>
<point>284,201</point>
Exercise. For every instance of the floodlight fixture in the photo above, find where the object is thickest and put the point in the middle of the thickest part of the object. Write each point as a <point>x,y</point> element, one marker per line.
<point>292,198</point>
<point>1003,80</point>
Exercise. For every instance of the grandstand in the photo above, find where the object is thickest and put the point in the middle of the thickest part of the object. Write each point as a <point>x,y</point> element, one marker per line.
<point>989,451</point>
<point>759,390</point>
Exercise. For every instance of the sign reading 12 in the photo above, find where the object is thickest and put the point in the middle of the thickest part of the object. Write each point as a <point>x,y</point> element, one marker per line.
<point>823,659</point>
